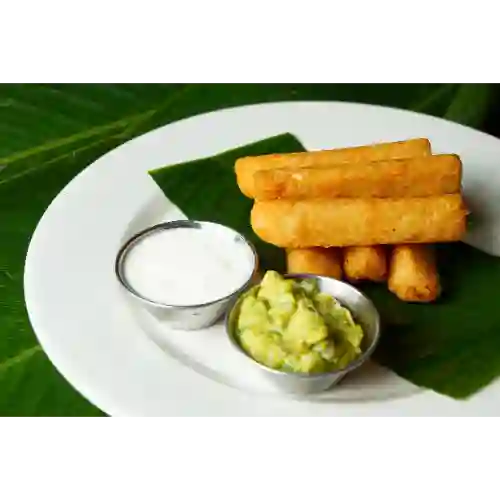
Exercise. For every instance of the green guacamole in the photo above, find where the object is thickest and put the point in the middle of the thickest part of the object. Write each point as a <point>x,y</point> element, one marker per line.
<point>291,326</point>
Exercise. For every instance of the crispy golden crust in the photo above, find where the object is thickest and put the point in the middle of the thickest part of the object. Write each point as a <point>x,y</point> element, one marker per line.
<point>359,221</point>
<point>421,176</point>
<point>323,261</point>
<point>365,263</point>
<point>413,275</point>
<point>247,166</point>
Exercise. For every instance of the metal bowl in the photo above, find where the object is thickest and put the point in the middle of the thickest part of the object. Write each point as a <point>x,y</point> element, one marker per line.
<point>363,312</point>
<point>191,316</point>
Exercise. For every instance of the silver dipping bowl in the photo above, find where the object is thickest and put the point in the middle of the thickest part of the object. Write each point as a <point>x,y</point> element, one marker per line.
<point>190,316</point>
<point>363,312</point>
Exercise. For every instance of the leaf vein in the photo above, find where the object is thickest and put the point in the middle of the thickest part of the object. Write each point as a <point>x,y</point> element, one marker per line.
<point>19,358</point>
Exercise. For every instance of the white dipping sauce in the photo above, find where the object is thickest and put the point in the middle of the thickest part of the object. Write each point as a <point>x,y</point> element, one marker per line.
<point>188,266</point>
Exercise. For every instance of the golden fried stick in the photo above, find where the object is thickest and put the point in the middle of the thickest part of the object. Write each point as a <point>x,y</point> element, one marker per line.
<point>413,275</point>
<point>345,222</point>
<point>365,263</point>
<point>246,167</point>
<point>322,261</point>
<point>419,176</point>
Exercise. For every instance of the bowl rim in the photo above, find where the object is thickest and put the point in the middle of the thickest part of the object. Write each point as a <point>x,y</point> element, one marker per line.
<point>360,360</point>
<point>175,224</point>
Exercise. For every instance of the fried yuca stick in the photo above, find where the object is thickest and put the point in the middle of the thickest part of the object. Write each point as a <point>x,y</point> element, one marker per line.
<point>322,261</point>
<point>246,167</point>
<point>365,263</point>
<point>345,222</point>
<point>413,274</point>
<point>419,176</point>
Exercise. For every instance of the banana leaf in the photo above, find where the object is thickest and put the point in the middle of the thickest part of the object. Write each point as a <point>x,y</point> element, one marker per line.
<point>52,132</point>
<point>451,346</point>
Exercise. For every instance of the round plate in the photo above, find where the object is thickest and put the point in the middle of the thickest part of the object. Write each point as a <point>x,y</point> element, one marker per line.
<point>128,364</point>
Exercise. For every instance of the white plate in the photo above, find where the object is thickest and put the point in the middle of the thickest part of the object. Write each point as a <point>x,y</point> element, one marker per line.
<point>129,365</point>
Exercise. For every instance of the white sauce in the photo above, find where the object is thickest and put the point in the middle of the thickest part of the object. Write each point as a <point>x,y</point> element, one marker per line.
<point>188,266</point>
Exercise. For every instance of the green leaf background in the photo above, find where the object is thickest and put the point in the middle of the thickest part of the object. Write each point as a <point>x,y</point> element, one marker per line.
<point>51,132</point>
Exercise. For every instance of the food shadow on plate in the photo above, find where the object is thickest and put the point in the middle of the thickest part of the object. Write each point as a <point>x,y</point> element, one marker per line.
<point>195,350</point>
<point>157,209</point>
<point>482,222</point>
<point>369,383</point>
<point>475,216</point>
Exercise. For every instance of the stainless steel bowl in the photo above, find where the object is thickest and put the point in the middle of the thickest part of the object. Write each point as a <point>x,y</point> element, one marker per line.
<point>363,311</point>
<point>191,316</point>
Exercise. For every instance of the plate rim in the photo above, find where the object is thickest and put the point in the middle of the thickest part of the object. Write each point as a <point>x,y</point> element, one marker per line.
<point>32,247</point>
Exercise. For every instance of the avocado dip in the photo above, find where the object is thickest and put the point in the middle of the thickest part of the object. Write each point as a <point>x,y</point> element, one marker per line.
<point>288,324</point>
